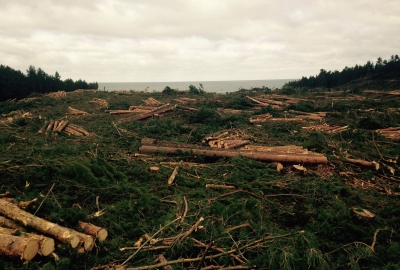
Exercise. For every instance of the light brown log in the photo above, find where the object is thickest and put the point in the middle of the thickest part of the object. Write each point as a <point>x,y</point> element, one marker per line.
<point>87,241</point>
<point>50,126</point>
<point>93,230</point>
<point>277,149</point>
<point>56,122</point>
<point>61,233</point>
<point>146,108</point>
<point>261,156</point>
<point>120,111</point>
<point>173,175</point>
<point>364,163</point>
<point>61,127</point>
<point>5,222</point>
<point>72,131</point>
<point>185,108</point>
<point>44,126</point>
<point>15,246</point>
<point>220,186</point>
<point>46,244</point>
<point>79,129</point>
<point>269,101</point>
<point>159,110</point>
<point>236,145</point>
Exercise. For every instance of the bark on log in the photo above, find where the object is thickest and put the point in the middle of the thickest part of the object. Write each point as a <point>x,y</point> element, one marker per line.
<point>46,244</point>
<point>93,230</point>
<point>261,156</point>
<point>15,246</point>
<point>5,222</point>
<point>87,241</point>
<point>61,233</point>
<point>44,126</point>
<point>55,125</point>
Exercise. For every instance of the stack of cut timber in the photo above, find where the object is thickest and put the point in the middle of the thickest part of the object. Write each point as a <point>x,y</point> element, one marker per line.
<point>155,112</point>
<point>28,99</point>
<point>11,116</point>
<point>73,111</point>
<point>63,125</point>
<point>85,90</point>
<point>224,140</point>
<point>266,102</point>
<point>57,95</point>
<point>152,101</point>
<point>27,245</point>
<point>390,133</point>
<point>285,149</point>
<point>101,102</point>
<point>260,118</point>
<point>152,146</point>
<point>327,128</point>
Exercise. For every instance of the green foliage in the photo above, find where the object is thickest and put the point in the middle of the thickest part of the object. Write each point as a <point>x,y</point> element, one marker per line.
<point>196,90</point>
<point>168,90</point>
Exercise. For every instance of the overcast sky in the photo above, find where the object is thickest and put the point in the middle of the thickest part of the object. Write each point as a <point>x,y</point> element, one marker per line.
<point>187,40</point>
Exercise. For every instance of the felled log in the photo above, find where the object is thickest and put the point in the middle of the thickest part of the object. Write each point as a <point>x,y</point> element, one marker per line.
<point>173,175</point>
<point>121,111</point>
<point>185,108</point>
<point>364,163</point>
<point>5,222</point>
<point>44,126</point>
<point>62,125</point>
<point>263,104</point>
<point>103,103</point>
<point>162,109</point>
<point>260,118</point>
<point>269,101</point>
<point>79,129</point>
<point>277,149</point>
<point>390,133</point>
<point>73,111</point>
<point>50,126</point>
<point>56,122</point>
<point>72,131</point>
<point>15,246</point>
<point>262,156</point>
<point>59,232</point>
<point>57,95</point>
<point>152,101</point>
<point>327,128</point>
<point>87,241</point>
<point>220,186</point>
<point>46,244</point>
<point>93,230</point>
<point>146,108</point>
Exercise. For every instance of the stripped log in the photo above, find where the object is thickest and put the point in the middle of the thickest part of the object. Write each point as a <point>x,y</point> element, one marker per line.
<point>46,244</point>
<point>15,246</point>
<point>185,108</point>
<point>44,126</point>
<point>364,163</point>
<point>220,186</point>
<point>120,111</point>
<point>145,108</point>
<point>93,230</point>
<point>59,232</point>
<point>72,131</point>
<point>73,111</point>
<point>162,109</point>
<point>55,125</point>
<point>79,129</point>
<point>155,147</point>
<point>50,126</point>
<point>173,175</point>
<point>61,127</point>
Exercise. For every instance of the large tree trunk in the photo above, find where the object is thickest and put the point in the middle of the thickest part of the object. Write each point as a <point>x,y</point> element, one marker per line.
<point>46,244</point>
<point>59,232</point>
<point>5,222</point>
<point>15,246</point>
<point>261,156</point>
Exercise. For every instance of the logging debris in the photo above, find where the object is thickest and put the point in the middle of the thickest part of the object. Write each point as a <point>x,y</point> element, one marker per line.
<point>100,102</point>
<point>57,95</point>
<point>390,133</point>
<point>72,111</point>
<point>63,126</point>
<point>152,102</point>
<point>327,128</point>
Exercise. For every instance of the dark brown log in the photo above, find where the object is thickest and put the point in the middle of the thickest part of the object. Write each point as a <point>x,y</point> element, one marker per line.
<point>262,156</point>
<point>46,244</point>
<point>61,233</point>
<point>15,246</point>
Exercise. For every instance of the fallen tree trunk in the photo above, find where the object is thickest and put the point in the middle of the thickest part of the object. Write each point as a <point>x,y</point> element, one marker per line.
<point>50,126</point>
<point>44,126</point>
<point>364,163</point>
<point>5,222</point>
<point>256,155</point>
<point>61,127</point>
<point>146,108</point>
<point>46,244</point>
<point>93,230</point>
<point>59,232</point>
<point>15,246</point>
<point>161,109</point>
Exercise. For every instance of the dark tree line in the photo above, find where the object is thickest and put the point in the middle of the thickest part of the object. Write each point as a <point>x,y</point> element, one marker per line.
<point>15,84</point>
<point>330,79</point>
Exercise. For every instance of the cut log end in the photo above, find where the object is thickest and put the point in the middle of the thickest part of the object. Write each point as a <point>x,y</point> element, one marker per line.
<point>46,247</point>
<point>74,241</point>
<point>102,235</point>
<point>30,250</point>
<point>362,214</point>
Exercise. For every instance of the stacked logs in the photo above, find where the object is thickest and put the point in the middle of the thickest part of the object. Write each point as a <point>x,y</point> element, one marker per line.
<point>390,133</point>
<point>307,115</point>
<point>151,113</point>
<point>63,126</point>
<point>101,102</point>
<point>184,100</point>
<point>226,141</point>
<point>152,102</point>
<point>266,102</point>
<point>57,95</point>
<point>15,242</point>
<point>327,128</point>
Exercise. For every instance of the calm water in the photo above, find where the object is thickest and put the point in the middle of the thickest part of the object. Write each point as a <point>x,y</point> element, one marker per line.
<point>209,86</point>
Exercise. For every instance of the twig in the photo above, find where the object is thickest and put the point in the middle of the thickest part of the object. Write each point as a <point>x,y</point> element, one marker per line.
<point>247,224</point>
<point>116,129</point>
<point>234,192</point>
<point>148,240</point>
<point>374,238</point>
<point>186,234</point>
<point>204,254</point>
<point>186,208</point>
<point>45,197</point>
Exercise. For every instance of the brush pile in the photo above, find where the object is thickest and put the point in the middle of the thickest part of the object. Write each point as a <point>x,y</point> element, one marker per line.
<point>57,95</point>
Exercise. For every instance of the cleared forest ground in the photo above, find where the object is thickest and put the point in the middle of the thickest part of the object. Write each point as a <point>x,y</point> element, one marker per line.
<point>324,195</point>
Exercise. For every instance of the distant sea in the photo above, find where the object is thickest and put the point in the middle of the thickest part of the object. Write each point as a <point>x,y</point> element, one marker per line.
<point>209,86</point>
